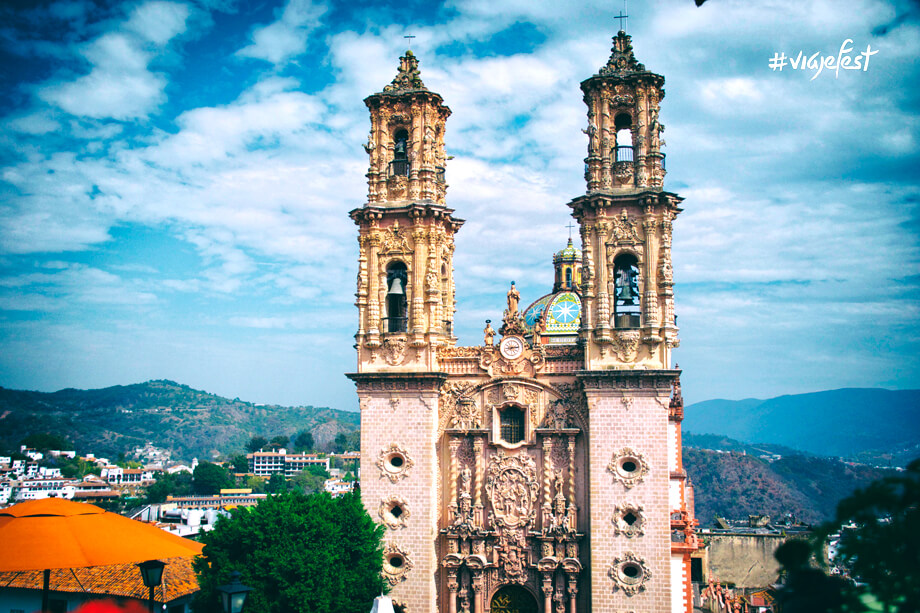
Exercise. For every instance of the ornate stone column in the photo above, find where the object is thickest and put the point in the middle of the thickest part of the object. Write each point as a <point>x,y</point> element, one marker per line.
<point>452,587</point>
<point>547,474</point>
<point>454,446</point>
<point>480,461</point>
<point>573,509</point>
<point>548,592</point>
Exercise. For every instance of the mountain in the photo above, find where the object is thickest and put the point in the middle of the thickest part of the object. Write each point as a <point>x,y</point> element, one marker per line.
<point>872,425</point>
<point>734,485</point>
<point>189,422</point>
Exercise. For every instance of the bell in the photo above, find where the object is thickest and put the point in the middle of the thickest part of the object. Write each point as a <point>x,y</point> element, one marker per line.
<point>396,287</point>
<point>626,295</point>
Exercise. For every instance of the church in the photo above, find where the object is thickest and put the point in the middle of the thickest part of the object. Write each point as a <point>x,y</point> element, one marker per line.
<point>538,471</point>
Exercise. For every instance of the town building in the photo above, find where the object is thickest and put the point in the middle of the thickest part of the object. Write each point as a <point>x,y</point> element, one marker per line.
<point>267,463</point>
<point>541,470</point>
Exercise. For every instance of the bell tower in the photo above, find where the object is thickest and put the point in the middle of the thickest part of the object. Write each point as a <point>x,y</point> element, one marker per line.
<point>406,234</point>
<point>405,300</point>
<point>627,332</point>
<point>625,217</point>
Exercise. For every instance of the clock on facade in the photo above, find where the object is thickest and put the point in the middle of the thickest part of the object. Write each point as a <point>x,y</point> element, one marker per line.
<point>511,347</point>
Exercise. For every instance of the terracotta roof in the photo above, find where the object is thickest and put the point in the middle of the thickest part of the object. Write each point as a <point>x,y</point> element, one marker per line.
<point>116,580</point>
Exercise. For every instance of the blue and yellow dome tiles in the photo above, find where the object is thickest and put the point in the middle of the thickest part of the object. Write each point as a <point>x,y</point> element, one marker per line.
<point>562,308</point>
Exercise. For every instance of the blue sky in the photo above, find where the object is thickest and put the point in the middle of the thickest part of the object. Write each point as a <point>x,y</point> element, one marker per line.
<point>175,179</point>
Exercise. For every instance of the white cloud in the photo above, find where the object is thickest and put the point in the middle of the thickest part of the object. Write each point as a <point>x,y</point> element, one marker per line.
<point>158,21</point>
<point>287,37</point>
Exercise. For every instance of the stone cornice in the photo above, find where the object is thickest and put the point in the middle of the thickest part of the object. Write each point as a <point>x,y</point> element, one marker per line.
<point>657,380</point>
<point>398,381</point>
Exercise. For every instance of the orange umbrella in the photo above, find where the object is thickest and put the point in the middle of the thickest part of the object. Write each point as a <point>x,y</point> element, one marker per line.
<point>58,533</point>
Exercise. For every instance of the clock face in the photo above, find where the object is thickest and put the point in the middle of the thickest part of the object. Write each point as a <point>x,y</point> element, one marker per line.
<point>511,347</point>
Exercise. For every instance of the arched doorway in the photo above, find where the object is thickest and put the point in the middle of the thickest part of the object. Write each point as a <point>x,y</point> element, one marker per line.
<point>513,599</point>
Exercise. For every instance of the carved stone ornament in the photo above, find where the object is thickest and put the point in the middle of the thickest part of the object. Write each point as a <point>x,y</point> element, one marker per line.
<point>624,229</point>
<point>395,240</point>
<point>512,552</point>
<point>512,487</point>
<point>394,511</point>
<point>458,409</point>
<point>394,462</point>
<point>625,344</point>
<point>408,77</point>
<point>629,573</point>
<point>396,564</point>
<point>628,466</point>
<point>394,350</point>
<point>628,520</point>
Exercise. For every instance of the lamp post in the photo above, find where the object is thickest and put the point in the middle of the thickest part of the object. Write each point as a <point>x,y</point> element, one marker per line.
<point>233,595</point>
<point>152,574</point>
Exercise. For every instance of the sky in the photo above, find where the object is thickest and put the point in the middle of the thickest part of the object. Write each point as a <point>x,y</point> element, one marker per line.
<point>175,178</point>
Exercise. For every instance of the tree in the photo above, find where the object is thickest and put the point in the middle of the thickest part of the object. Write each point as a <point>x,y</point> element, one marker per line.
<point>303,441</point>
<point>210,478</point>
<point>298,553</point>
<point>256,443</point>
<point>44,441</point>
<point>280,441</point>
<point>311,479</point>
<point>166,484</point>
<point>807,589</point>
<point>277,483</point>
<point>883,550</point>
<point>240,464</point>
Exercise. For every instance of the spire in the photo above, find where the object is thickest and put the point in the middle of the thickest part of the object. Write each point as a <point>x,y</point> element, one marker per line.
<point>622,59</point>
<point>408,77</point>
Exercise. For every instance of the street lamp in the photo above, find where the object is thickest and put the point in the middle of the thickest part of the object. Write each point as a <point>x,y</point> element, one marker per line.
<point>233,595</point>
<point>152,573</point>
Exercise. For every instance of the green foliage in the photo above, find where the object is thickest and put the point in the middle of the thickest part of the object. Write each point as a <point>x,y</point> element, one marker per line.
<point>239,463</point>
<point>303,441</point>
<point>210,478</point>
<point>279,441</point>
<point>166,484</point>
<point>44,441</point>
<point>311,479</point>
<point>346,442</point>
<point>277,483</point>
<point>256,484</point>
<point>256,443</point>
<point>299,554</point>
<point>883,550</point>
<point>807,589</point>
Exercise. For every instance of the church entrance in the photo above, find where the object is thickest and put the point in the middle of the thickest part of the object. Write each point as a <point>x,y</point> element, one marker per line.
<point>513,599</point>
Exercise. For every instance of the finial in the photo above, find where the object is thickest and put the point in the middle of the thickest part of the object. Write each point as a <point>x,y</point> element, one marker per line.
<point>408,76</point>
<point>409,37</point>
<point>623,16</point>
<point>570,226</point>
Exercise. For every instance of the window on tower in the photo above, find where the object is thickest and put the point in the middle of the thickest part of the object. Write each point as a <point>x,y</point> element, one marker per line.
<point>624,145</point>
<point>400,163</point>
<point>396,318</point>
<point>626,302</point>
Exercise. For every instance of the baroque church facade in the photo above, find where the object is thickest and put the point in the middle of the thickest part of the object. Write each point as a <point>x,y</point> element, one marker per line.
<point>539,471</point>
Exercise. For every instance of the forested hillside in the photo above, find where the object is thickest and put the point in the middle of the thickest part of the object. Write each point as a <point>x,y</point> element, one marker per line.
<point>189,422</point>
<point>734,485</point>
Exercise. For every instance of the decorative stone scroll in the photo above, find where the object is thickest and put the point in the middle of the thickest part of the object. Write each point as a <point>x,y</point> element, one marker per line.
<point>394,462</point>
<point>394,350</point>
<point>628,466</point>
<point>628,520</point>
<point>629,573</point>
<point>396,564</point>
<point>394,511</point>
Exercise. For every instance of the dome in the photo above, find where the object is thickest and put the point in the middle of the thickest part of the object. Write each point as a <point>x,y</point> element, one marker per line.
<point>563,314</point>
<point>569,254</point>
